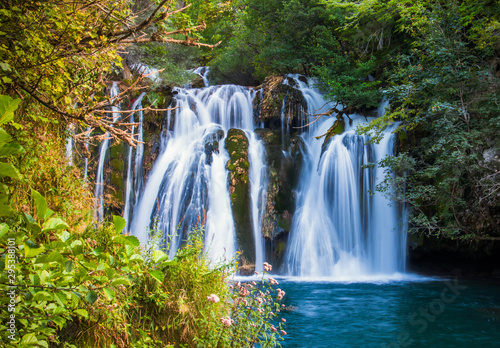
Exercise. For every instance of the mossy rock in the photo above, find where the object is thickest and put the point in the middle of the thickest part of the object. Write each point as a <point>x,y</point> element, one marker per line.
<point>274,96</point>
<point>283,172</point>
<point>337,128</point>
<point>239,187</point>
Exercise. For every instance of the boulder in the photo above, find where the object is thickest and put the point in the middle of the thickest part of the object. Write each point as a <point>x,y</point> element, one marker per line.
<point>211,142</point>
<point>239,187</point>
<point>279,105</point>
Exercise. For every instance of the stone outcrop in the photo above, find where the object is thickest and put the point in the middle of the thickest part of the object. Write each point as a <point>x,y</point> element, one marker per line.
<point>338,127</point>
<point>283,171</point>
<point>239,189</point>
<point>277,104</point>
<point>211,142</point>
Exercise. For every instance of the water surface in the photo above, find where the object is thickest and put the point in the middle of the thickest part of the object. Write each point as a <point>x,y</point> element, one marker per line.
<point>397,313</point>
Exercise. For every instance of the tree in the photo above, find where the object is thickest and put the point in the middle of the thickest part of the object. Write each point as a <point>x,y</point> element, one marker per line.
<point>445,93</point>
<point>57,52</point>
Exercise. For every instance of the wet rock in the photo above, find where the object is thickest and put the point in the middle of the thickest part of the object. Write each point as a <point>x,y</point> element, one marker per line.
<point>211,142</point>
<point>283,170</point>
<point>280,105</point>
<point>338,127</point>
<point>197,82</point>
<point>239,187</point>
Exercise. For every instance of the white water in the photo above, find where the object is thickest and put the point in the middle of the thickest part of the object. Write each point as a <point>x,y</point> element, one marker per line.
<point>258,188</point>
<point>70,144</point>
<point>99,181</point>
<point>185,188</point>
<point>339,231</point>
<point>134,177</point>
<point>203,71</point>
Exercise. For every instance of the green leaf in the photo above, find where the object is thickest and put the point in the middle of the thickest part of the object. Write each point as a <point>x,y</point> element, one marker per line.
<point>82,313</point>
<point>55,224</point>
<point>29,339</point>
<point>54,256</point>
<point>133,240</point>
<point>40,203</point>
<point>136,257</point>
<point>126,240</point>
<point>4,137</point>
<point>60,297</point>
<point>119,223</point>
<point>68,266</point>
<point>65,236</point>
<point>8,170</point>
<point>110,272</point>
<point>59,310</point>
<point>158,256</point>
<point>43,343</point>
<point>11,149</point>
<point>31,249</point>
<point>42,296</point>
<point>35,279</point>
<point>4,228</point>
<point>59,321</point>
<point>158,275</point>
<point>110,294</point>
<point>7,108</point>
<point>98,251</point>
<point>91,296</point>
<point>32,224</point>
<point>120,281</point>
<point>5,66</point>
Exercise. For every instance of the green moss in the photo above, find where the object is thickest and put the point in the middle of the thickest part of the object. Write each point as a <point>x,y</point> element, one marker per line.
<point>239,184</point>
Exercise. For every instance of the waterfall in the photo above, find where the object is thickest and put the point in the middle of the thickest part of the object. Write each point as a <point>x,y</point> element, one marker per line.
<point>99,181</point>
<point>187,186</point>
<point>203,71</point>
<point>258,185</point>
<point>70,144</point>
<point>86,160</point>
<point>134,177</point>
<point>339,230</point>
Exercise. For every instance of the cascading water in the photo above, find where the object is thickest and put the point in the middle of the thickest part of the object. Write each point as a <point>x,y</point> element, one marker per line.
<point>188,185</point>
<point>70,144</point>
<point>339,230</point>
<point>99,181</point>
<point>203,71</point>
<point>258,185</point>
<point>134,177</point>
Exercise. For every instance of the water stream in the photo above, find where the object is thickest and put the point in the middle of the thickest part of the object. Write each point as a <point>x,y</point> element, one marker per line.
<point>99,180</point>
<point>133,183</point>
